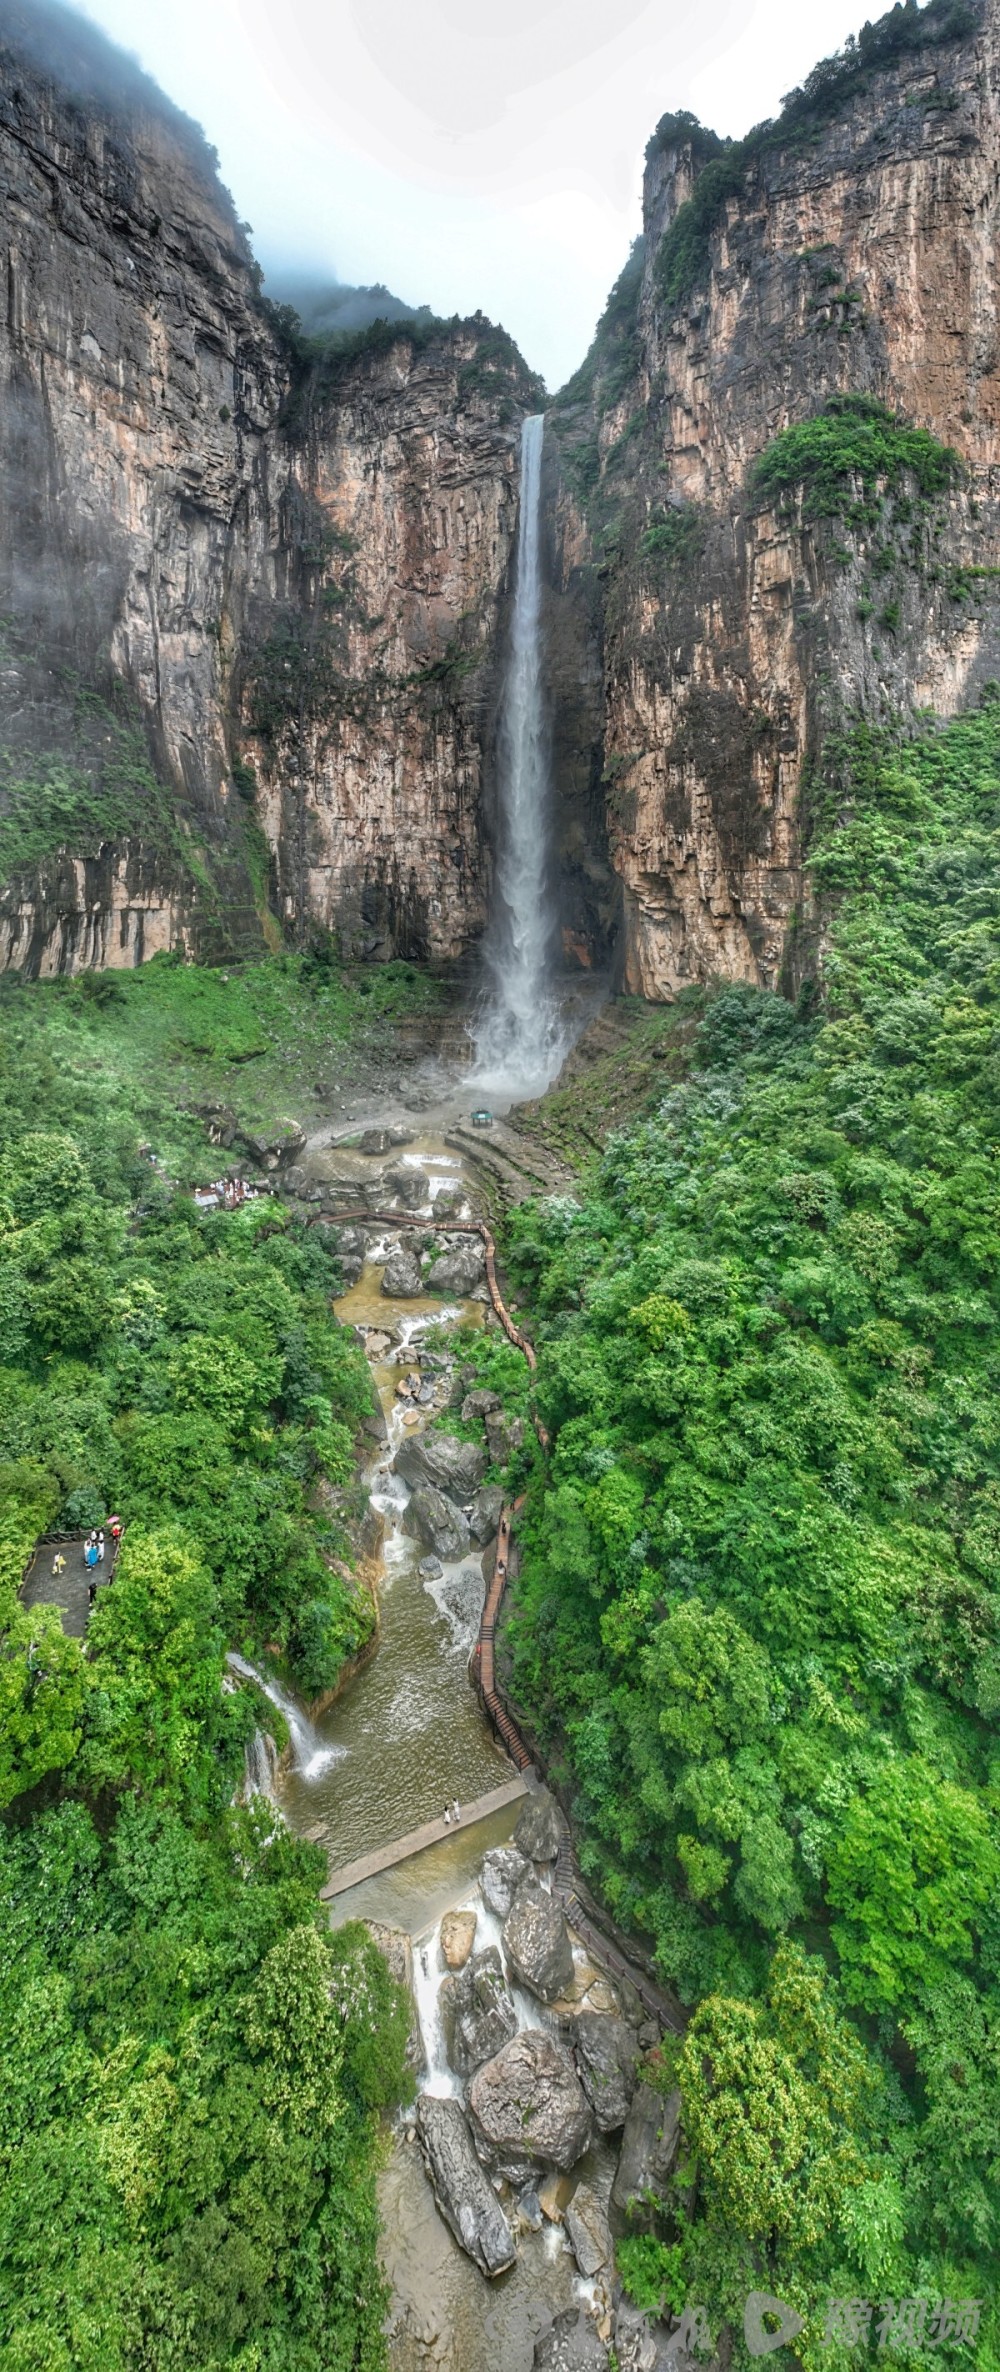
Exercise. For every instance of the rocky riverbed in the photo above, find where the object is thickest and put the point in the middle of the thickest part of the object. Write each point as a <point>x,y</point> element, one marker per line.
<point>539,2125</point>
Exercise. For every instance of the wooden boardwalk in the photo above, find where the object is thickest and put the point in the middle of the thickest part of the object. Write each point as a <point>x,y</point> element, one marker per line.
<point>434,1832</point>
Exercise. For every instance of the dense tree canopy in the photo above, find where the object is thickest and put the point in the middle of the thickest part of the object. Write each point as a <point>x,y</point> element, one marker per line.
<point>758,1620</point>
<point>191,2066</point>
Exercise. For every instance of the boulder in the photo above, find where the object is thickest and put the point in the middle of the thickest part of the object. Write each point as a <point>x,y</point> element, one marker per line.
<point>589,2231</point>
<point>527,2108</point>
<point>505,1435</point>
<point>408,1186</point>
<point>536,1942</point>
<point>606,2062</point>
<point>484,1521</point>
<point>430,1517</point>
<point>479,1404</point>
<point>455,1467</point>
<point>458,1271</point>
<point>465,2198</point>
<point>639,2344</point>
<point>650,2147</point>
<point>458,1934</point>
<point>477,2012</point>
<point>570,2344</point>
<point>276,1146</point>
<point>503,1870</point>
<point>539,1830</point>
<point>384,1140</point>
<point>401,1275</point>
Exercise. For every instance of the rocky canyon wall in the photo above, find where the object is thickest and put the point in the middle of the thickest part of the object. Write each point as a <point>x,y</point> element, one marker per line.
<point>251,596</point>
<point>850,251</point>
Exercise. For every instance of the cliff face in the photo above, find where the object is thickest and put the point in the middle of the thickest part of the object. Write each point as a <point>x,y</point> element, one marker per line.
<point>252,600</point>
<point>853,253</point>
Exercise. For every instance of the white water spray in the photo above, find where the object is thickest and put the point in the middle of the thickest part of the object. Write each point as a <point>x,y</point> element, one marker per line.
<point>520,1037</point>
<point>310,1757</point>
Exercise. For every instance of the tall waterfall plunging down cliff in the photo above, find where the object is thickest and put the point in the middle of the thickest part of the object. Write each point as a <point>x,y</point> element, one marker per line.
<point>520,1037</point>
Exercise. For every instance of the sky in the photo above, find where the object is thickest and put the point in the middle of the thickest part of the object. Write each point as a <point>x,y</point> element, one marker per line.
<point>470,154</point>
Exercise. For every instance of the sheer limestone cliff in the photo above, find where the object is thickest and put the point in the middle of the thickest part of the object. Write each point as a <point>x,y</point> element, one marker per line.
<point>850,249</point>
<point>250,598</point>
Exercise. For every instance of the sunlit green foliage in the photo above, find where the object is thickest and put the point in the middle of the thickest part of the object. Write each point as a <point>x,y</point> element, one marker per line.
<point>759,1617</point>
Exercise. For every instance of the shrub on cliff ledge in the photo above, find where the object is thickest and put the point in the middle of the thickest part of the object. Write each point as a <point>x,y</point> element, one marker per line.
<point>844,458</point>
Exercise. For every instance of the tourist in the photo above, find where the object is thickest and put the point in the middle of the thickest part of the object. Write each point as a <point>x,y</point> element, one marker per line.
<point>115,1529</point>
<point>447,1817</point>
<point>456,1812</point>
<point>58,1563</point>
<point>91,1592</point>
<point>100,1548</point>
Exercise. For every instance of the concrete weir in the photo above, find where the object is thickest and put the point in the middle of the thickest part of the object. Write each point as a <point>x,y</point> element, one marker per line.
<point>433,1832</point>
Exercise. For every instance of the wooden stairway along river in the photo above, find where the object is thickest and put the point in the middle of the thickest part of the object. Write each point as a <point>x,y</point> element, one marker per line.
<point>608,1954</point>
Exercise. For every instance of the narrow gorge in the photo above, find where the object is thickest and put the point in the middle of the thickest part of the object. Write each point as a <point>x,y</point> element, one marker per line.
<point>500,1264</point>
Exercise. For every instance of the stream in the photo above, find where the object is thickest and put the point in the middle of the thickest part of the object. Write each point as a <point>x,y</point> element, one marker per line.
<point>407,1735</point>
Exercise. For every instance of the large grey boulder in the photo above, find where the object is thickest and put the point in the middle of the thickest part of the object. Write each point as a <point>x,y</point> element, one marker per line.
<point>536,1942</point>
<point>382,1140</point>
<point>479,1404</point>
<point>538,1834</point>
<point>504,1435</point>
<point>484,1522</point>
<point>477,2012</point>
<point>604,2048</point>
<point>401,1275</point>
<point>430,1517</point>
<point>466,2199</point>
<point>502,1871</point>
<point>570,2344</point>
<point>455,1467</point>
<point>459,1271</point>
<point>588,2231</point>
<point>527,2109</point>
<point>649,2152</point>
<point>408,1186</point>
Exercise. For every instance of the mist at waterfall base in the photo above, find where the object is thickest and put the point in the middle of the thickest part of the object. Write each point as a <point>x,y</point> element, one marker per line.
<point>521,1033</point>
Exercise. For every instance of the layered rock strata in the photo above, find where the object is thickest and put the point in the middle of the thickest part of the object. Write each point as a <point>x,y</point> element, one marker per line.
<point>284,574</point>
<point>854,252</point>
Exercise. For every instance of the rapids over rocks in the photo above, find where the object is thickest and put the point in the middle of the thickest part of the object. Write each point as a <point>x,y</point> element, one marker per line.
<point>406,1736</point>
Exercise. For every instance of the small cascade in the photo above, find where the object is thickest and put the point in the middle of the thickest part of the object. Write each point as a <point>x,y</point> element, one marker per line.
<point>261,1767</point>
<point>521,1037</point>
<point>310,1757</point>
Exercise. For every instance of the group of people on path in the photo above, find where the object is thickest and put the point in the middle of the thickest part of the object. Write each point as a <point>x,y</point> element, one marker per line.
<point>94,1552</point>
<point>452,1814</point>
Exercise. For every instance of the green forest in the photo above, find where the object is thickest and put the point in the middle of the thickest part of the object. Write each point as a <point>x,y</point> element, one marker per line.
<point>191,2066</point>
<point>757,1627</point>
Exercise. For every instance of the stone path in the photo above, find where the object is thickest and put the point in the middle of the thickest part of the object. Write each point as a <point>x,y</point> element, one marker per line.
<point>434,1832</point>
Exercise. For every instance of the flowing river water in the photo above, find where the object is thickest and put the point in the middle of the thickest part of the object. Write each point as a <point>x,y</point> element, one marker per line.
<point>407,1735</point>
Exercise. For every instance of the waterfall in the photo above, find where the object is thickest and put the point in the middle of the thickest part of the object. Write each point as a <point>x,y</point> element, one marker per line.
<point>310,1757</point>
<point>261,1762</point>
<point>519,1037</point>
